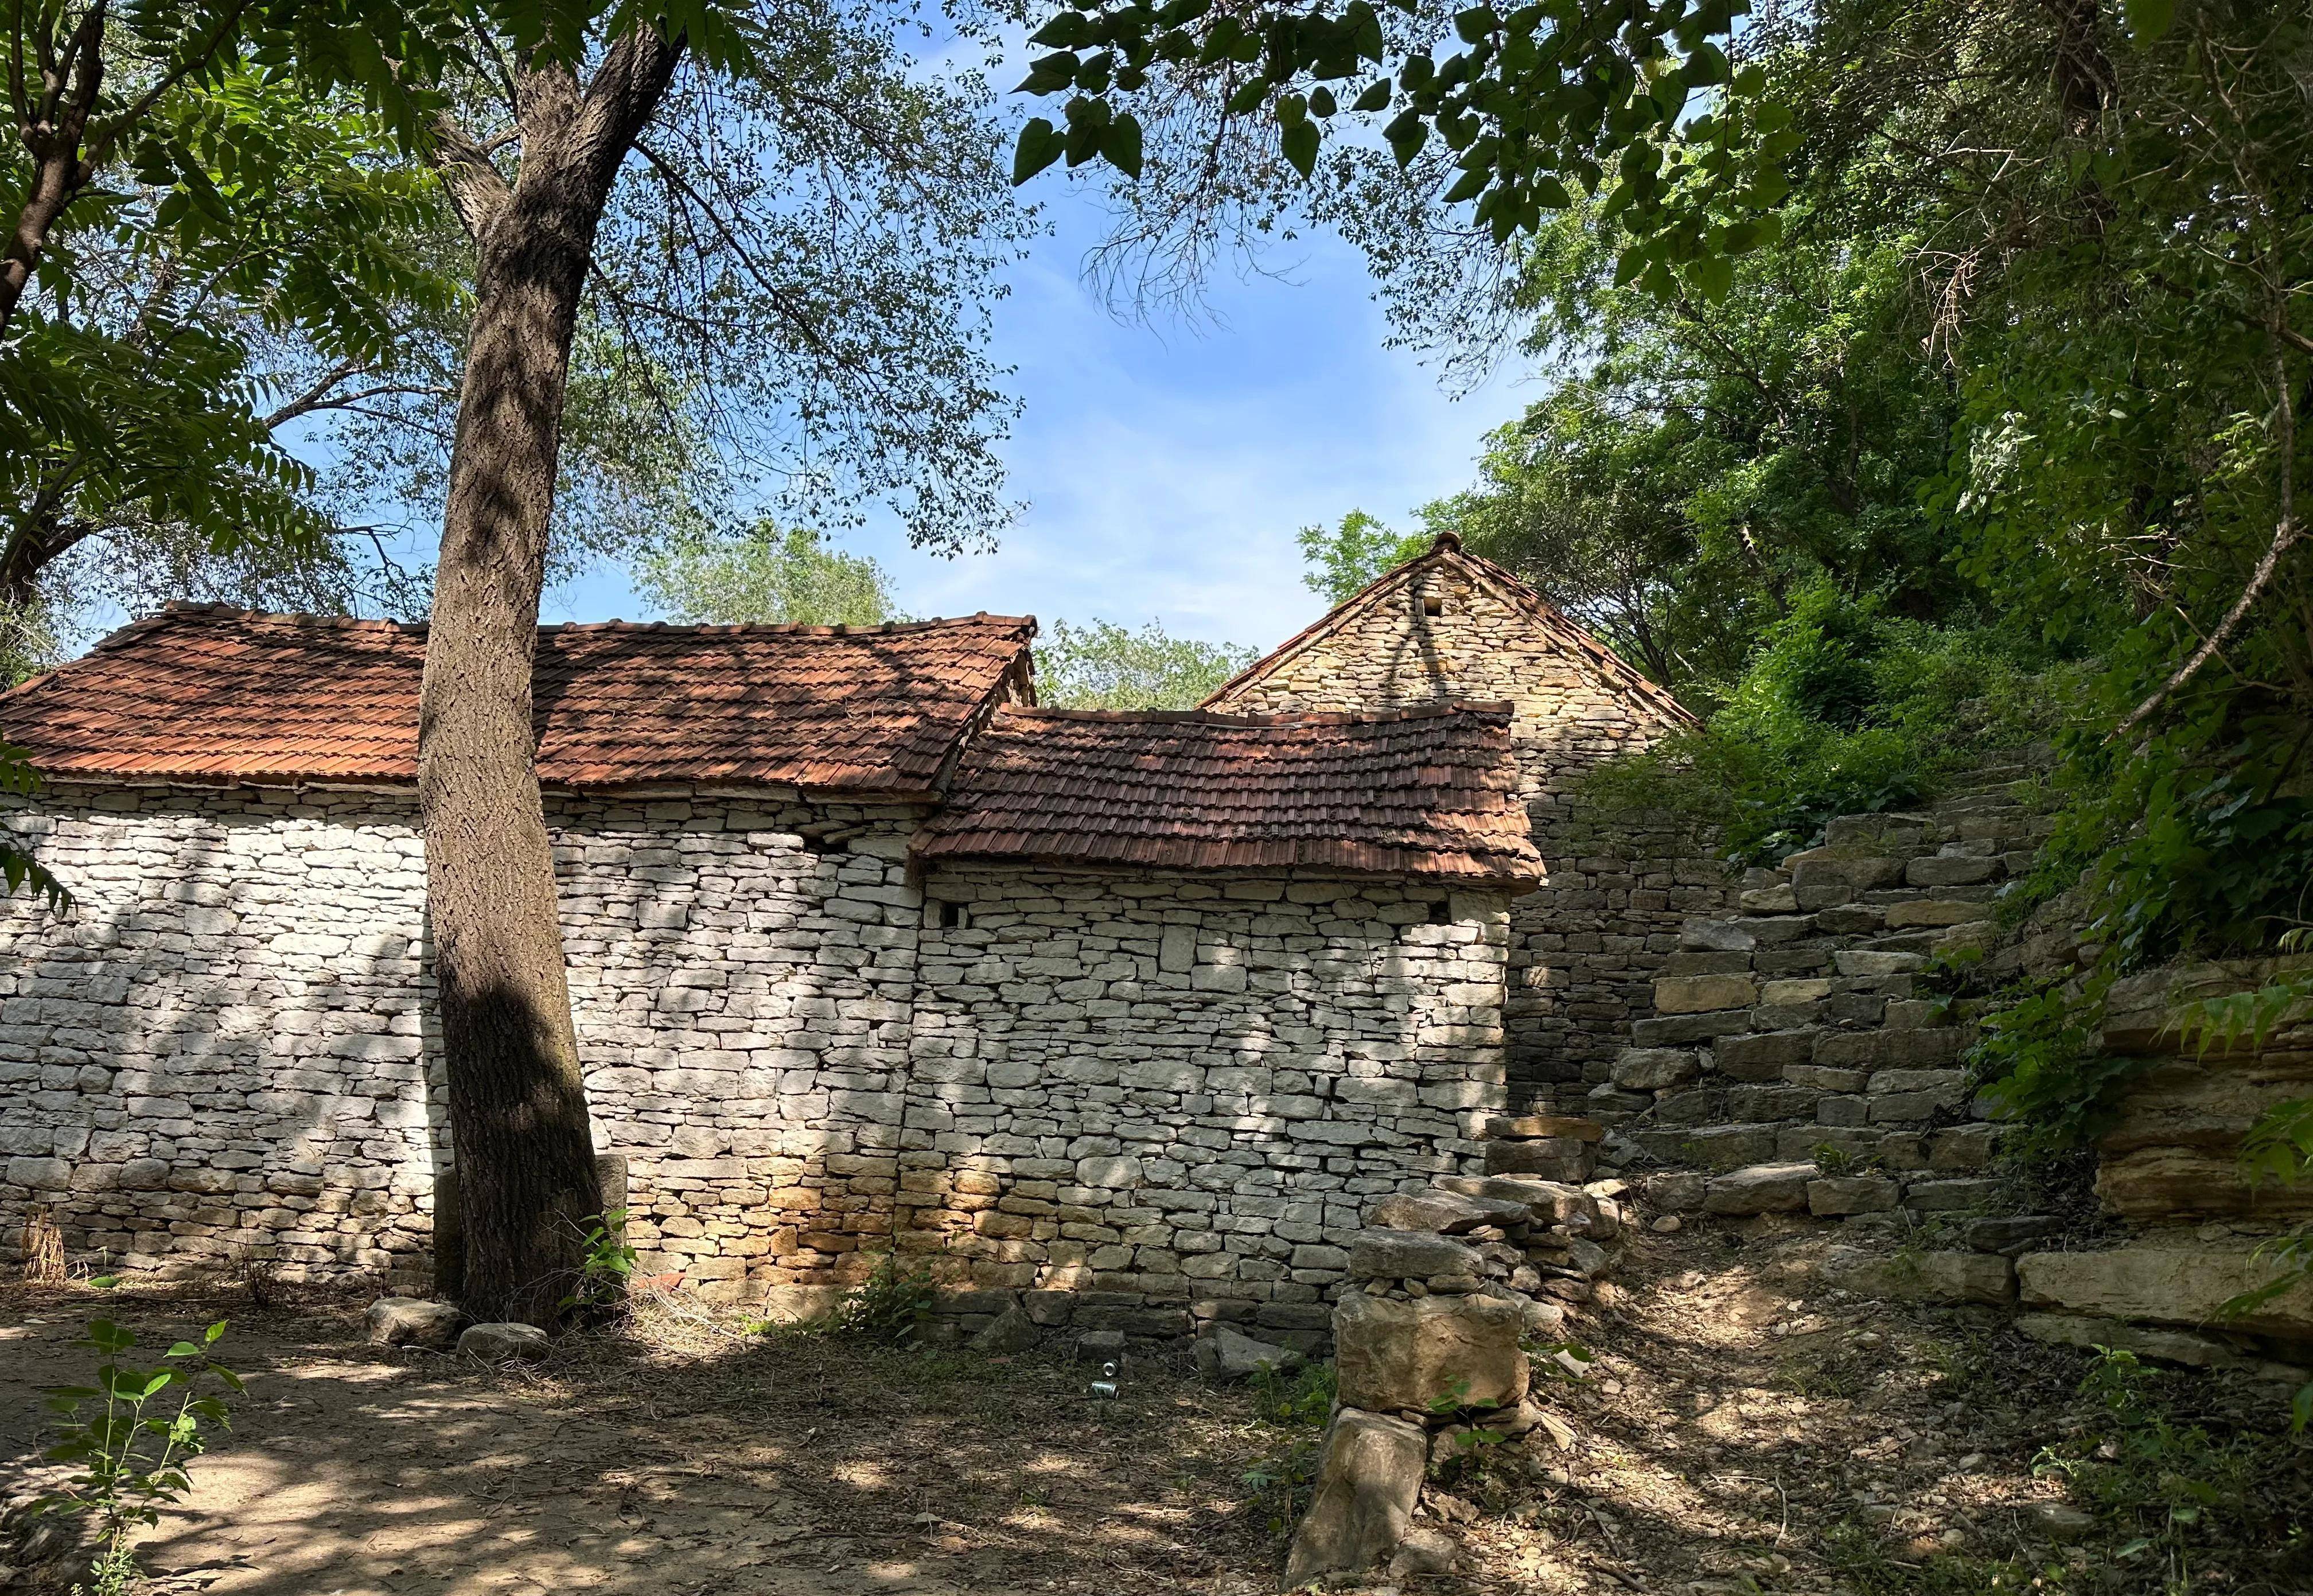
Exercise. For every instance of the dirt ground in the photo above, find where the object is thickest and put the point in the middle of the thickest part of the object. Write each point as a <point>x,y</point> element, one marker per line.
<point>1741,1432</point>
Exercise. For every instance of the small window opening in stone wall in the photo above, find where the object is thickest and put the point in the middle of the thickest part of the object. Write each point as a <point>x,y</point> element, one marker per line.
<point>1441,912</point>
<point>951,916</point>
<point>1431,605</point>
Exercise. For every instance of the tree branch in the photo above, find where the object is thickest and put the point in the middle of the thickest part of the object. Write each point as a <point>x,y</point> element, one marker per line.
<point>2284,536</point>
<point>479,191</point>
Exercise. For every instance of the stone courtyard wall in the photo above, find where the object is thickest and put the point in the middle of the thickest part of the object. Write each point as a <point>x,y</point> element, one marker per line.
<point>1586,946</point>
<point>226,1051</point>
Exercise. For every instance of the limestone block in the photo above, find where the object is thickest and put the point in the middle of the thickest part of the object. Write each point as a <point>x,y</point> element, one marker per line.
<point>1760,1188</point>
<point>1409,1255</point>
<point>1951,870</point>
<point>1838,1195</point>
<point>1230,1355</point>
<point>1653,1069</point>
<point>1698,994</point>
<point>411,1321</point>
<point>1550,1202</point>
<point>1922,1277</point>
<point>2165,1284</point>
<point>1407,1355</point>
<point>1762,1057</point>
<point>503,1342</point>
<point>1369,1477</point>
<point>1444,1212</point>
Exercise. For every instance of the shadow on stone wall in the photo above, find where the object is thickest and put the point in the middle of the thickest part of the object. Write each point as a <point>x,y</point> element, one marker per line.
<point>195,1112</point>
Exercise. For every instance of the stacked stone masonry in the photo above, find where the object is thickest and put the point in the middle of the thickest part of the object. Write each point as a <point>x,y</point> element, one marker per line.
<point>1795,1060</point>
<point>1137,1099</point>
<point>1586,946</point>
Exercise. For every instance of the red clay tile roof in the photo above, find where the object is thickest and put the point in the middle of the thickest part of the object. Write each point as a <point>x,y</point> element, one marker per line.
<point>1428,792</point>
<point>1552,622</point>
<point>205,692</point>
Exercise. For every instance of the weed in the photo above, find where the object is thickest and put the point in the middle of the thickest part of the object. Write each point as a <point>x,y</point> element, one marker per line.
<point>608,1265</point>
<point>890,1308</point>
<point>2162,1482</point>
<point>131,1450</point>
<point>1300,1402</point>
<point>1865,1565</point>
<point>1303,1396</point>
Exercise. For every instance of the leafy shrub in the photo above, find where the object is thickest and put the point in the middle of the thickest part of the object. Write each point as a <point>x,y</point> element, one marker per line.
<point>1842,710</point>
<point>132,1451</point>
<point>890,1308</point>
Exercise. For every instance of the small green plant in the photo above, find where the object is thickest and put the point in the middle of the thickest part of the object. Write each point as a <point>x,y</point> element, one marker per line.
<point>609,1263</point>
<point>1298,1396</point>
<point>890,1308</point>
<point>2143,1470</point>
<point>130,1445</point>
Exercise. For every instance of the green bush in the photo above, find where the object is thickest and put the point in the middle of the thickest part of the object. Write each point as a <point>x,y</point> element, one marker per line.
<point>1843,710</point>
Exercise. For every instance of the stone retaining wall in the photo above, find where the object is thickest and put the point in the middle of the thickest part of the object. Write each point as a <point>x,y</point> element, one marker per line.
<point>1160,1090</point>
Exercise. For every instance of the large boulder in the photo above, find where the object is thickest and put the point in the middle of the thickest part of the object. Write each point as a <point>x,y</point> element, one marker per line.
<point>1368,1478</point>
<point>412,1321</point>
<point>1394,1355</point>
<point>1411,1255</point>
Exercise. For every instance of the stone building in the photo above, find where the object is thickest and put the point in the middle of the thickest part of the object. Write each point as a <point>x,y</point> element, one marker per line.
<point>866,952</point>
<point>1589,941</point>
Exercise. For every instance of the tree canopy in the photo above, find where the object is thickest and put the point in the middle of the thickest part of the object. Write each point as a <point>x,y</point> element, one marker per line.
<point>1104,666</point>
<point>764,572</point>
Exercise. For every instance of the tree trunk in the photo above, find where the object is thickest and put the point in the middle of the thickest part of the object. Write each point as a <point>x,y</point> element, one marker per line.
<point>52,136</point>
<point>524,1158</point>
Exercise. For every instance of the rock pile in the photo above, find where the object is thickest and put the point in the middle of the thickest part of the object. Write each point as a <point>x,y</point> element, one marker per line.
<point>1446,1286</point>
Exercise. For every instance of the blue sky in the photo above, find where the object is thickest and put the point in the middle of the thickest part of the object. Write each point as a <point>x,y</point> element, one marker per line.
<point>1166,467</point>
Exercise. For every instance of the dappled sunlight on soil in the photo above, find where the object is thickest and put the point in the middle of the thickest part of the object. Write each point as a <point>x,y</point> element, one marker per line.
<point>1742,1432</point>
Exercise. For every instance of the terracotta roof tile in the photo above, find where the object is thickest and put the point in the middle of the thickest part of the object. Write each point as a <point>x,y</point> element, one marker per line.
<point>205,692</point>
<point>1429,792</point>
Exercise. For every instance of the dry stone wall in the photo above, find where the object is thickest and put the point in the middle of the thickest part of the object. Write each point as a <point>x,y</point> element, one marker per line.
<point>1135,1094</point>
<point>1149,1100</point>
<point>1798,1062</point>
<point>1804,1059</point>
<point>1588,943</point>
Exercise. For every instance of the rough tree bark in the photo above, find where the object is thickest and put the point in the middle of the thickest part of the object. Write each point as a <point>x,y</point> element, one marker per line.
<point>526,1173</point>
<point>52,123</point>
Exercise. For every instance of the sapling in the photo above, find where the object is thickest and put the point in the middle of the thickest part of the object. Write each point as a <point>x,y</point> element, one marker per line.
<point>131,1444</point>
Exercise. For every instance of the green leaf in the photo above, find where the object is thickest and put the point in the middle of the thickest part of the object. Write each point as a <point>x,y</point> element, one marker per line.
<point>1300,144</point>
<point>1039,146</point>
<point>1248,96</point>
<point>1067,31</point>
<point>1477,24</point>
<point>215,1332</point>
<point>1706,64</point>
<point>1711,276</point>
<point>1469,185</point>
<point>2148,19</point>
<point>1406,135</point>
<point>1375,98</point>
<point>1291,110</point>
<point>1121,145</point>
